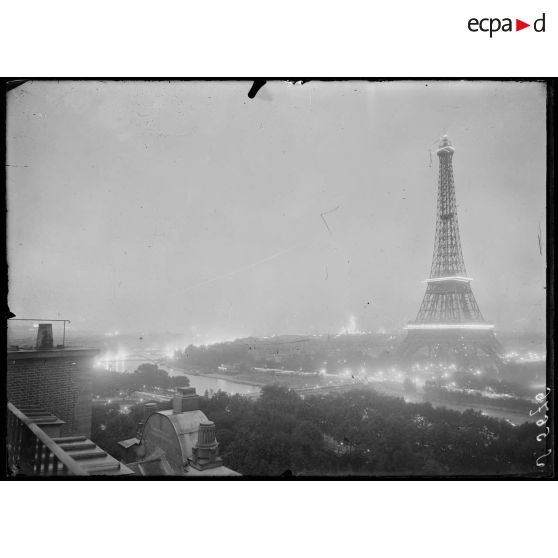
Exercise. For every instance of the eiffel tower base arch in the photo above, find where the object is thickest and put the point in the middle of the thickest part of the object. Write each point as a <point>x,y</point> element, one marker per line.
<point>465,348</point>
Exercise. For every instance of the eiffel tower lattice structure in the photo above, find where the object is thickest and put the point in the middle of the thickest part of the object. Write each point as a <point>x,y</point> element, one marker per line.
<point>449,326</point>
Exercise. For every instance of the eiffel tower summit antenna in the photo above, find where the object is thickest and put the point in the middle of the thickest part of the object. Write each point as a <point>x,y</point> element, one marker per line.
<point>449,325</point>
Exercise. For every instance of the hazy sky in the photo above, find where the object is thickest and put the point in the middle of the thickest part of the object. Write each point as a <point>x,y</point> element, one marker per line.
<point>189,207</point>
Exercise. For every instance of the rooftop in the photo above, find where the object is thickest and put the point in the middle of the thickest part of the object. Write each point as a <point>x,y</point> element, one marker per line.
<point>21,342</point>
<point>35,448</point>
<point>93,459</point>
<point>179,441</point>
<point>16,352</point>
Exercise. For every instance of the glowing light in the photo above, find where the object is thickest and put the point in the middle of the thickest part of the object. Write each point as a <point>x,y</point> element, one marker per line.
<point>530,356</point>
<point>170,352</point>
<point>112,333</point>
<point>451,278</point>
<point>450,326</point>
<point>350,328</point>
<point>113,362</point>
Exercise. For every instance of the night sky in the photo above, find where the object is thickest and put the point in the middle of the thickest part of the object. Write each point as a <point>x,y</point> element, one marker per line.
<point>188,207</point>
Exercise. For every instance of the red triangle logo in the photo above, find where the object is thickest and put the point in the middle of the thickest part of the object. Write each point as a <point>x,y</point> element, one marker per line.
<point>519,25</point>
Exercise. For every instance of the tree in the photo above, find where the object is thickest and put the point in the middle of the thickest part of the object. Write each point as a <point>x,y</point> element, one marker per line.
<point>281,431</point>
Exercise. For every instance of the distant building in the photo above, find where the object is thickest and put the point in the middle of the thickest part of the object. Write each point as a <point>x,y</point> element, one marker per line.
<point>180,441</point>
<point>278,348</point>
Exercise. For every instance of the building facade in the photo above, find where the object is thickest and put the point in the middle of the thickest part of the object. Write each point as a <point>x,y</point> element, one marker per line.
<point>56,379</point>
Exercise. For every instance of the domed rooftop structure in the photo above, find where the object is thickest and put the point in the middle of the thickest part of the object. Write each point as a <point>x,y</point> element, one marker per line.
<point>180,441</point>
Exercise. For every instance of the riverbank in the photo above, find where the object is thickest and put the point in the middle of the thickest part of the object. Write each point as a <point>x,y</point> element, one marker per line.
<point>511,415</point>
<point>214,376</point>
<point>387,388</point>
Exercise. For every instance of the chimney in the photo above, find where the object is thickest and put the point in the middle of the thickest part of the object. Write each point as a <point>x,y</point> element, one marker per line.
<point>205,454</point>
<point>44,337</point>
<point>149,409</point>
<point>185,400</point>
<point>206,435</point>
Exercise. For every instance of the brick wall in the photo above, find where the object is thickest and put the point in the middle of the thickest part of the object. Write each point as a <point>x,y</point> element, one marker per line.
<point>58,381</point>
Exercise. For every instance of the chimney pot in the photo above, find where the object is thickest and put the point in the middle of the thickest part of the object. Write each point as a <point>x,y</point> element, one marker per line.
<point>206,435</point>
<point>149,409</point>
<point>205,453</point>
<point>185,391</point>
<point>44,337</point>
<point>185,400</point>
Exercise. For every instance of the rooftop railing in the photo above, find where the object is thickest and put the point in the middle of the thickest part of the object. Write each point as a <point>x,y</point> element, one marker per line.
<point>31,452</point>
<point>20,335</point>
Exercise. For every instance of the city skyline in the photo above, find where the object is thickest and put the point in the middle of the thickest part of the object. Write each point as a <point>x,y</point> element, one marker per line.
<point>189,207</point>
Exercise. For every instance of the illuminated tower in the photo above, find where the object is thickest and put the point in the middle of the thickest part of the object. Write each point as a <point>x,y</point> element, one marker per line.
<point>449,325</point>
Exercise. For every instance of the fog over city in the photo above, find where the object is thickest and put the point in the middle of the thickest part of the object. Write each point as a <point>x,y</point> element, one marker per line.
<point>188,207</point>
<point>310,279</point>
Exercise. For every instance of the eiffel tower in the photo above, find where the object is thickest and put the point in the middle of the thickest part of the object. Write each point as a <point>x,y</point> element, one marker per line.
<point>449,326</point>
